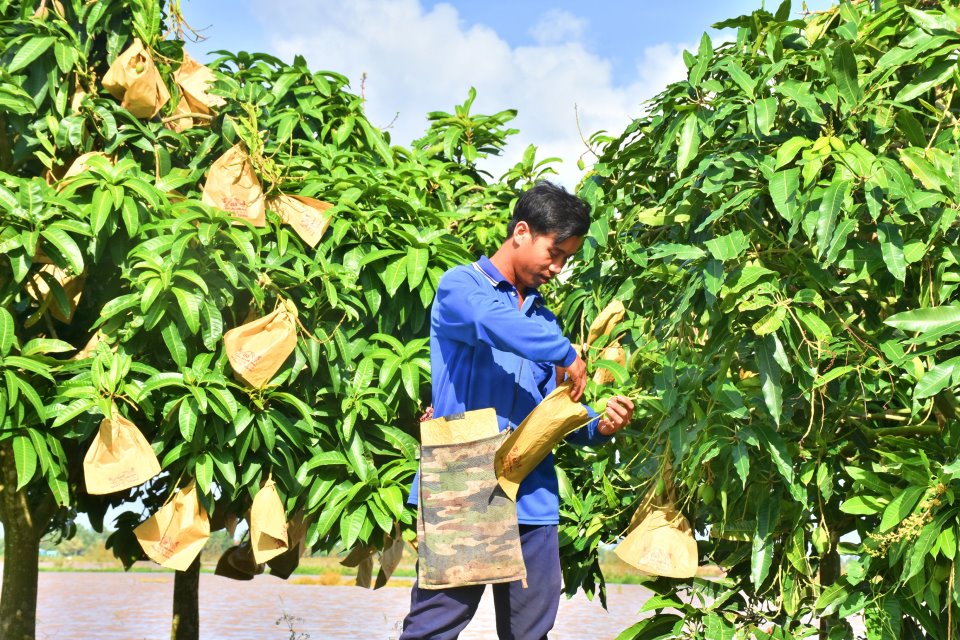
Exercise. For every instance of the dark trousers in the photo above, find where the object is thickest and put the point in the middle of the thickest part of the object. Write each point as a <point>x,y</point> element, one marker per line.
<point>522,614</point>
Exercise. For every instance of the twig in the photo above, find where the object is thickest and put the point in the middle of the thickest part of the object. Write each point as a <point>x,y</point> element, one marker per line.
<point>179,116</point>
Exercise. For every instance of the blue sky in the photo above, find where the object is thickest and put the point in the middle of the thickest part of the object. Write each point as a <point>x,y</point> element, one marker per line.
<point>553,60</point>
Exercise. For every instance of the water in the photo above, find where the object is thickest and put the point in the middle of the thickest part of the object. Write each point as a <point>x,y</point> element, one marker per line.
<point>129,606</point>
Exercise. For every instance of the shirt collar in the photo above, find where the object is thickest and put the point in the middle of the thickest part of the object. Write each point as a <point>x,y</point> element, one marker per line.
<point>493,275</point>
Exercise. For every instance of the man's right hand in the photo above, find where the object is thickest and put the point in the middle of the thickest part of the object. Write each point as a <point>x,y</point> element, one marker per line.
<point>577,372</point>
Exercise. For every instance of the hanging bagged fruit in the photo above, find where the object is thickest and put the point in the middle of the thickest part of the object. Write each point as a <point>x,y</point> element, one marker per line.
<point>134,79</point>
<point>542,430</point>
<point>174,536</point>
<point>659,539</point>
<point>71,284</point>
<point>268,524</point>
<point>232,185</point>
<point>305,215</point>
<point>256,350</point>
<point>193,79</point>
<point>118,458</point>
<point>603,325</point>
<point>238,563</point>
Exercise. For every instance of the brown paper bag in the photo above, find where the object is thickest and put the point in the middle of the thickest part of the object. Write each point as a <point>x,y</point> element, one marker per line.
<point>118,458</point>
<point>286,563</point>
<point>232,185</point>
<point>134,79</point>
<point>614,353</point>
<point>180,120</point>
<point>174,535</point>
<point>461,427</point>
<point>238,563</point>
<point>606,322</point>
<point>268,524</point>
<point>194,79</point>
<point>659,539</point>
<point>390,556</point>
<point>72,285</point>
<point>531,442</point>
<point>305,215</point>
<point>258,349</point>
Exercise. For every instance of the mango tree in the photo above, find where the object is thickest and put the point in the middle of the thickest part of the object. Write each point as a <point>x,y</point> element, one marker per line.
<point>782,225</point>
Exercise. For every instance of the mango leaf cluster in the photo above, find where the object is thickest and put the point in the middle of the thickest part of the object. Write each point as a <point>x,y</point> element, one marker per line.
<point>782,226</point>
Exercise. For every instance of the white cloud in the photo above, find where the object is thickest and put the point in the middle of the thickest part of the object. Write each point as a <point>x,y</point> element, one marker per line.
<point>558,26</point>
<point>419,60</point>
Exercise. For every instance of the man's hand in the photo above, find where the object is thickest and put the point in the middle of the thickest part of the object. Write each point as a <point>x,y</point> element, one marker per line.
<point>577,372</point>
<point>618,415</point>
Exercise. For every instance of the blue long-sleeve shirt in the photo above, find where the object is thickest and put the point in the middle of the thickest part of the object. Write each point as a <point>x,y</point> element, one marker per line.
<point>487,351</point>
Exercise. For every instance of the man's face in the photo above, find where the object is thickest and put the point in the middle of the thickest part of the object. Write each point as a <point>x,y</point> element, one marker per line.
<point>539,257</point>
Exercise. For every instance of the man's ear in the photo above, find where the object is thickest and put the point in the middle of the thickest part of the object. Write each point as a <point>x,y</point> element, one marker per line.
<point>521,232</point>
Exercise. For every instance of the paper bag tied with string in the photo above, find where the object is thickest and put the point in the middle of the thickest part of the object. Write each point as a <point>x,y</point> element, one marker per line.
<point>193,79</point>
<point>258,349</point>
<point>72,285</point>
<point>659,539</point>
<point>118,458</point>
<point>268,523</point>
<point>238,563</point>
<point>134,79</point>
<point>555,417</point>
<point>232,185</point>
<point>361,557</point>
<point>306,215</point>
<point>174,535</point>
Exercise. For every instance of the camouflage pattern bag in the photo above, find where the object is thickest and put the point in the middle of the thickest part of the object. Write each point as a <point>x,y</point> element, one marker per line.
<point>467,527</point>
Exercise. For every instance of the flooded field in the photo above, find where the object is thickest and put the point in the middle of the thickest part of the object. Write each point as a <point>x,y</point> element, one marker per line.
<point>130,606</point>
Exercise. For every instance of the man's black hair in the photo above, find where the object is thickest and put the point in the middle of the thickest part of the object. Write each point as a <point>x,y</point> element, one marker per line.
<point>550,209</point>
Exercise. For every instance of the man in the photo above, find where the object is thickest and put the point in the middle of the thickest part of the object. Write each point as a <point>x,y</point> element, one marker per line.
<point>494,344</point>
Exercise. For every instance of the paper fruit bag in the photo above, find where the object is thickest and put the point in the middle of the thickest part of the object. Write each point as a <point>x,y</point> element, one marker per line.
<point>268,524</point>
<point>72,286</point>
<point>174,535</point>
<point>605,323</point>
<point>286,563</point>
<point>614,353</point>
<point>258,349</point>
<point>134,79</point>
<point>461,427</point>
<point>531,442</point>
<point>659,540</point>
<point>232,185</point>
<point>194,79</point>
<point>118,458</point>
<point>305,215</point>
<point>238,563</point>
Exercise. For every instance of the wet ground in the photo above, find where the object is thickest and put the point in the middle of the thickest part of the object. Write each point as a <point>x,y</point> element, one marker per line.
<point>129,606</point>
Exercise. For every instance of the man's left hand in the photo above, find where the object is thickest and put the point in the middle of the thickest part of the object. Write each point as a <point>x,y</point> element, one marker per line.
<point>618,415</point>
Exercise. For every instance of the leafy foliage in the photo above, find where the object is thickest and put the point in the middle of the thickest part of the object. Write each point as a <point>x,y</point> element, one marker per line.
<point>782,227</point>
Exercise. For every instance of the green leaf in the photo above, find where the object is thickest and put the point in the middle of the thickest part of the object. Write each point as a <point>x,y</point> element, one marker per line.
<point>769,377</point>
<point>173,340</point>
<point>766,113</point>
<point>417,261</point>
<point>66,246</point>
<point>728,247</point>
<point>394,275</point>
<point>900,507</point>
<point>789,149</point>
<point>203,471</point>
<point>844,69</point>
<point>821,332</point>
<point>377,143</point>
<point>944,320</point>
<point>932,77</point>
<point>190,303</point>
<point>829,209</point>
<point>862,505</point>
<point>187,418</point>
<point>351,524</point>
<point>783,192</point>
<point>892,247</point>
<point>29,52</point>
<point>741,462</point>
<point>25,460</point>
<point>8,335</point>
<point>762,548</point>
<point>689,142</point>
<point>936,379</point>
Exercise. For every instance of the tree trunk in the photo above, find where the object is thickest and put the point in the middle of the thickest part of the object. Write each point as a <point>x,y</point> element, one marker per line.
<point>23,527</point>
<point>186,603</point>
